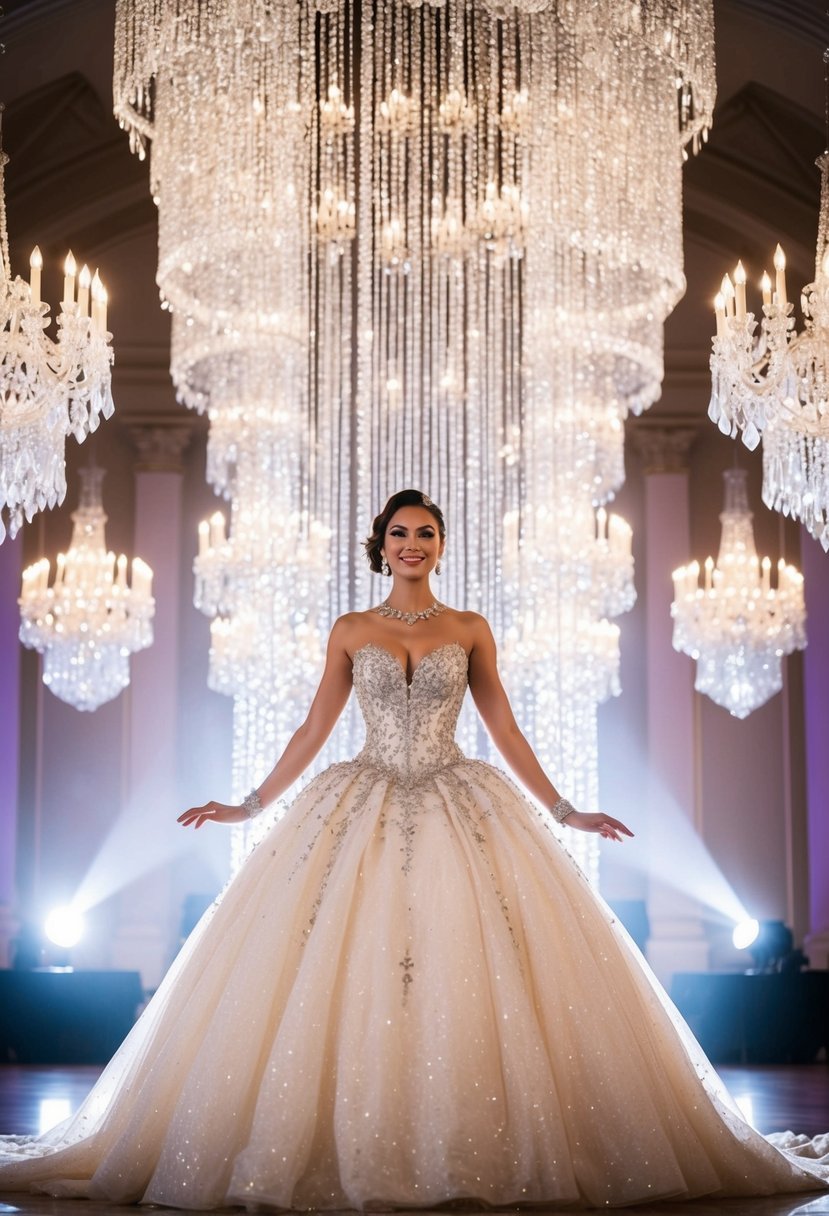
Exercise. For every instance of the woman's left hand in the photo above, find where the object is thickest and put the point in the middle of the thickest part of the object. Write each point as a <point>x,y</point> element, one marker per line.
<point>605,825</point>
<point>213,812</point>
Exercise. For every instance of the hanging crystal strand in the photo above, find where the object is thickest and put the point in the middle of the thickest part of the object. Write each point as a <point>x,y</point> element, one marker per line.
<point>333,130</point>
<point>413,181</point>
<point>369,472</point>
<point>468,314</point>
<point>512,448</point>
<point>447,252</point>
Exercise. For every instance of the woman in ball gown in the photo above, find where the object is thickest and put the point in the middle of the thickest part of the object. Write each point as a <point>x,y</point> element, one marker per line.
<point>409,994</point>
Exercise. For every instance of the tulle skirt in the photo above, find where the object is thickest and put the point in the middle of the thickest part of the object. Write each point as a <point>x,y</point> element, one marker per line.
<point>409,995</point>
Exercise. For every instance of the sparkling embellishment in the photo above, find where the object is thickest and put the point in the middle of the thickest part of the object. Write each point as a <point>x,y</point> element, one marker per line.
<point>407,964</point>
<point>252,804</point>
<point>411,618</point>
<point>561,810</point>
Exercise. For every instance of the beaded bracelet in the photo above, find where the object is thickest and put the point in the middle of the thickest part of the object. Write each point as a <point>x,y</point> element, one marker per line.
<point>561,810</point>
<point>252,804</point>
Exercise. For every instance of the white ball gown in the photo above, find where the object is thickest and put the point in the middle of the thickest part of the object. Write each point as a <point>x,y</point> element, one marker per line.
<point>408,995</point>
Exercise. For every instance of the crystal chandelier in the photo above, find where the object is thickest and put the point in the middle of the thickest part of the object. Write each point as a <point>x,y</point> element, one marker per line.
<point>89,621</point>
<point>351,200</point>
<point>263,587</point>
<point>51,388</point>
<point>736,625</point>
<point>774,383</point>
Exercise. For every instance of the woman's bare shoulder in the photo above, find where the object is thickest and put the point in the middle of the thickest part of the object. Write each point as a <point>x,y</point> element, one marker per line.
<point>349,630</point>
<point>472,622</point>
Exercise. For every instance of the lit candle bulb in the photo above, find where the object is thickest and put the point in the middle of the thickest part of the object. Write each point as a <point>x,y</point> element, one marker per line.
<point>35,267</point>
<point>102,309</point>
<point>765,287</point>
<point>217,529</point>
<point>740,289</point>
<point>601,519</point>
<point>204,537</point>
<point>142,577</point>
<point>97,288</point>
<point>727,289</point>
<point>709,571</point>
<point>719,309</point>
<point>780,278</point>
<point>824,265</point>
<point>766,574</point>
<point>69,272</point>
<point>60,572</point>
<point>84,280</point>
<point>122,570</point>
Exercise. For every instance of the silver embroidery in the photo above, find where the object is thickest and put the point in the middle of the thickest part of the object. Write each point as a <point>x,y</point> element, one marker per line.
<point>407,963</point>
<point>410,747</point>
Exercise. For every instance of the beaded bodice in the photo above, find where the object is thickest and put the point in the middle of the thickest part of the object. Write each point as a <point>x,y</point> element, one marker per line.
<point>410,728</point>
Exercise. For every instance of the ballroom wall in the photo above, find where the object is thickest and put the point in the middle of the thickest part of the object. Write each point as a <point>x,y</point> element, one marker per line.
<point>76,787</point>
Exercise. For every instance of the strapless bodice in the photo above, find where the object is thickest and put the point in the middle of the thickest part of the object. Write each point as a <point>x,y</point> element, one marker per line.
<point>410,728</point>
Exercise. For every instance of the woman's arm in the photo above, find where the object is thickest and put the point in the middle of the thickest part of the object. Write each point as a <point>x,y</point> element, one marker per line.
<point>493,705</point>
<point>326,707</point>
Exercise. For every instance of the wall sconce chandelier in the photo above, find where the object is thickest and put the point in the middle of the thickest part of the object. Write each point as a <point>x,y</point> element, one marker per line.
<point>89,621</point>
<point>49,389</point>
<point>736,625</point>
<point>774,384</point>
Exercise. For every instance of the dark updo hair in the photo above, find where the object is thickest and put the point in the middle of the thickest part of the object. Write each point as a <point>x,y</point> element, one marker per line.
<point>403,498</point>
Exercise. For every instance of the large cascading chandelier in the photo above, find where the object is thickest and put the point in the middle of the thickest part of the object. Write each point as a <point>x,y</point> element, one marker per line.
<point>735,624</point>
<point>88,622</point>
<point>380,276</point>
<point>220,92</point>
<point>50,388</point>
<point>773,383</point>
<point>567,571</point>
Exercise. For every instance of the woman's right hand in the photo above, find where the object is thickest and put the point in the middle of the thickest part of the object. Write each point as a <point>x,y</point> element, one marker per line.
<point>212,812</point>
<point>603,825</point>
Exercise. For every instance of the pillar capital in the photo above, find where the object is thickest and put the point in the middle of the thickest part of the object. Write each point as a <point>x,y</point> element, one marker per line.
<point>160,446</point>
<point>664,446</point>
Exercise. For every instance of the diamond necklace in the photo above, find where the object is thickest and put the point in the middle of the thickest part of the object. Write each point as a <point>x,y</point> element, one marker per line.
<point>411,618</point>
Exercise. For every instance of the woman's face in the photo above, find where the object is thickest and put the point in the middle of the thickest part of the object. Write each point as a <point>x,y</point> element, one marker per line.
<point>412,543</point>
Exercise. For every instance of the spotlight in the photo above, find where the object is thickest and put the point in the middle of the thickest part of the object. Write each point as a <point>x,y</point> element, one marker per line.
<point>771,945</point>
<point>64,926</point>
<point>745,933</point>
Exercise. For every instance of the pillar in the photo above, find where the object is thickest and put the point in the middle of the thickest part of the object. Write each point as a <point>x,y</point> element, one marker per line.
<point>677,941</point>
<point>815,567</point>
<point>11,563</point>
<point>147,922</point>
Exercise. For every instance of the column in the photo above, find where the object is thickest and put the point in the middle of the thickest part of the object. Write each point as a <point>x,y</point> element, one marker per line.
<point>147,922</point>
<point>677,941</point>
<point>815,567</point>
<point>11,564</point>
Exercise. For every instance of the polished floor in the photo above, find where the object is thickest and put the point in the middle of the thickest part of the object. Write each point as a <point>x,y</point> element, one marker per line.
<point>34,1098</point>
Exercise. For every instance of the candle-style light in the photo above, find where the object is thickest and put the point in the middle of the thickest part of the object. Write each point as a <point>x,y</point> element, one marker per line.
<point>50,388</point>
<point>89,622</point>
<point>769,382</point>
<point>737,626</point>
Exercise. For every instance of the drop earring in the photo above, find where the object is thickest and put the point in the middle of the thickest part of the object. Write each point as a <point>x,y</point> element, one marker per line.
<point>385,568</point>
<point>437,566</point>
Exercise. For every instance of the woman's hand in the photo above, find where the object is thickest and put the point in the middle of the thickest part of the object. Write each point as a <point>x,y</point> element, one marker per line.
<point>605,825</point>
<point>212,812</point>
